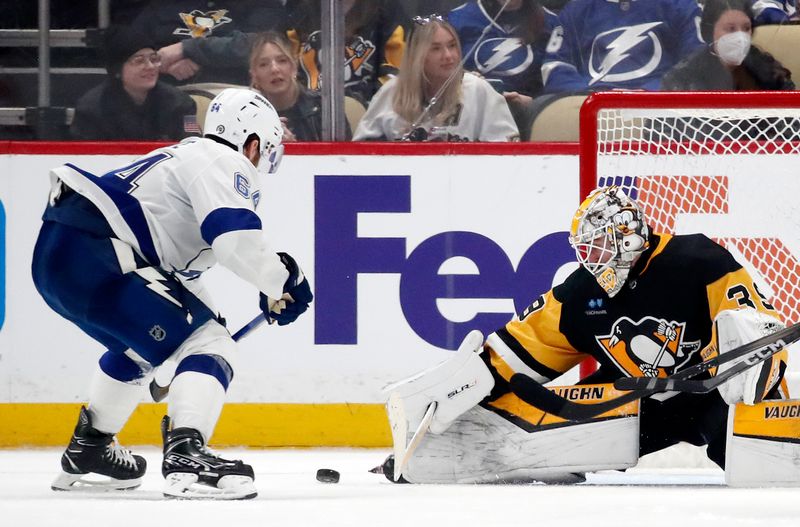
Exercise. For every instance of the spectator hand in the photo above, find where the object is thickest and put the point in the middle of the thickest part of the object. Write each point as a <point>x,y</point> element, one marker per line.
<point>288,135</point>
<point>516,98</point>
<point>170,55</point>
<point>183,69</point>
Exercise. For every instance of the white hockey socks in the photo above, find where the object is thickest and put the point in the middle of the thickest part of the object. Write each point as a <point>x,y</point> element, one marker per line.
<point>195,401</point>
<point>111,402</point>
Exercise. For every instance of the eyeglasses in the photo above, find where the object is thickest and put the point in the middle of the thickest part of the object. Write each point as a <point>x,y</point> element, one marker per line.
<point>141,60</point>
<point>425,20</point>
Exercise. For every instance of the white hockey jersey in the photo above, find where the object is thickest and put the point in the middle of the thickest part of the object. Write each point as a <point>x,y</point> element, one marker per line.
<point>184,208</point>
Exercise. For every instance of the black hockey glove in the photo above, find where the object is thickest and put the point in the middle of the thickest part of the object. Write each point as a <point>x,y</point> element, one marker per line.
<point>287,310</point>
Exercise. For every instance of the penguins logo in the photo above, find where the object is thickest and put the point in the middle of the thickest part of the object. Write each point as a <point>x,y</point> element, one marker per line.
<point>356,54</point>
<point>649,348</point>
<point>199,24</point>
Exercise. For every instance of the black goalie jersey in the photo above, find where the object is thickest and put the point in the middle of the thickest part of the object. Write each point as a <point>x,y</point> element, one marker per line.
<point>658,324</point>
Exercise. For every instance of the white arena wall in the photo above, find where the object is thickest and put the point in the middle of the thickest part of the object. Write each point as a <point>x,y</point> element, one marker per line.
<point>370,225</point>
<point>407,247</point>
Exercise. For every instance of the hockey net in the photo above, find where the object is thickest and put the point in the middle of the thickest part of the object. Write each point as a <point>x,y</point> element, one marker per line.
<point>724,164</point>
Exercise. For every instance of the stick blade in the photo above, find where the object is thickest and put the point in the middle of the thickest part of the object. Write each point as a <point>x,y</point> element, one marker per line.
<point>399,427</point>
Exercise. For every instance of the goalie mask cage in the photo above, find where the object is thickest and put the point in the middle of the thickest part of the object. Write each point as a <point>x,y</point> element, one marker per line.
<point>726,164</point>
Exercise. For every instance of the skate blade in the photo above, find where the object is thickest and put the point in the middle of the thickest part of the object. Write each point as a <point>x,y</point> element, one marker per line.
<point>91,482</point>
<point>181,485</point>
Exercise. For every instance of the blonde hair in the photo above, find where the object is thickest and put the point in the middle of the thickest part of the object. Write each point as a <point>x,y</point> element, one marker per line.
<point>276,39</point>
<point>409,97</point>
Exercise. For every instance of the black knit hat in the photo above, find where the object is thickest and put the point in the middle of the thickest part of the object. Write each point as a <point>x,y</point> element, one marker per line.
<point>121,43</point>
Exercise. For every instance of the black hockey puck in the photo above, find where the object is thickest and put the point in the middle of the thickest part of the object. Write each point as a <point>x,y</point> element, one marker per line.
<point>327,475</point>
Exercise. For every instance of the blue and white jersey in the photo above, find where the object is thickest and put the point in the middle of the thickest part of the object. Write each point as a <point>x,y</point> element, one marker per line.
<point>628,44</point>
<point>773,11</point>
<point>499,55</point>
<point>184,208</point>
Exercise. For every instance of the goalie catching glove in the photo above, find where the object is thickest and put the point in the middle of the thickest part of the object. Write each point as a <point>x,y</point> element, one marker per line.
<point>296,297</point>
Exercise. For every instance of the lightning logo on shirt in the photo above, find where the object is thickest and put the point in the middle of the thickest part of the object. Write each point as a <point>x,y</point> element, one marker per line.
<point>503,57</point>
<point>613,47</point>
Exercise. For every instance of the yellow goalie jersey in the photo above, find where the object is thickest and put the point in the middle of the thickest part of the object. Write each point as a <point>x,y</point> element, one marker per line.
<point>658,324</point>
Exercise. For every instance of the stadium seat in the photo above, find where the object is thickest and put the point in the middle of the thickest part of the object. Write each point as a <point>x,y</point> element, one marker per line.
<point>203,93</point>
<point>353,111</point>
<point>782,41</point>
<point>558,119</point>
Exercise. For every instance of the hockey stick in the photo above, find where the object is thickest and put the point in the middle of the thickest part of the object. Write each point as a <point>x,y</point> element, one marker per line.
<point>750,354</point>
<point>667,384</point>
<point>159,393</point>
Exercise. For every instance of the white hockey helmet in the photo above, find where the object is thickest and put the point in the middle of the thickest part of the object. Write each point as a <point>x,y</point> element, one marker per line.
<point>236,114</point>
<point>608,234</point>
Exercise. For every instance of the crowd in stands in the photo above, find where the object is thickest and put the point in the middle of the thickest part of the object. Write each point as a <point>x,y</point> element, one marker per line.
<point>479,70</point>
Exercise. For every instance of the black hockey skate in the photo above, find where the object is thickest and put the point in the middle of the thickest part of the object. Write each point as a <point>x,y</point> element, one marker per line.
<point>193,471</point>
<point>91,454</point>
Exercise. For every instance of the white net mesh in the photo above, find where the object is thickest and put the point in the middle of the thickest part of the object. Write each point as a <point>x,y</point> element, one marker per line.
<point>731,173</point>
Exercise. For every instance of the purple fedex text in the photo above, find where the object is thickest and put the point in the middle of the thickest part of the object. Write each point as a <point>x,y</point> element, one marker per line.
<point>341,255</point>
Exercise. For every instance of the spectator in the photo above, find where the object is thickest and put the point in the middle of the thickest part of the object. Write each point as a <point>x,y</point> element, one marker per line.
<point>619,44</point>
<point>374,41</point>
<point>504,41</point>
<point>773,11</point>
<point>207,40</point>
<point>132,104</point>
<point>432,99</point>
<point>273,73</point>
<point>729,61</point>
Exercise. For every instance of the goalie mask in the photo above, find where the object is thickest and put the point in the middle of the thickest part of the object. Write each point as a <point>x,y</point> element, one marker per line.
<point>608,234</point>
<point>236,114</point>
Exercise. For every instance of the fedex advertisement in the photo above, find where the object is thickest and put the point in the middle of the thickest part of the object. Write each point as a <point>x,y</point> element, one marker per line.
<point>407,250</point>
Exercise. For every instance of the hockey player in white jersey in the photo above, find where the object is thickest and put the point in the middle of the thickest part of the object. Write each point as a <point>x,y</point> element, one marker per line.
<point>119,255</point>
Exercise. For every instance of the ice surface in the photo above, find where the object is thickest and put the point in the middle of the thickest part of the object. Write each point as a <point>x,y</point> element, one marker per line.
<point>289,495</point>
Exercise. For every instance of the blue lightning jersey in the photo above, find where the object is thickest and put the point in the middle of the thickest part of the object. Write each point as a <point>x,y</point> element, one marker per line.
<point>629,44</point>
<point>499,55</point>
<point>773,11</point>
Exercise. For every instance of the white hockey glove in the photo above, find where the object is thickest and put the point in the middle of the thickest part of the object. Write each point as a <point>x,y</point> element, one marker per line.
<point>734,328</point>
<point>456,385</point>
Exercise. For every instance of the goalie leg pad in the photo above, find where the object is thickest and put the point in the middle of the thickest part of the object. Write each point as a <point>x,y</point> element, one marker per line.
<point>456,385</point>
<point>762,448</point>
<point>734,328</point>
<point>483,447</point>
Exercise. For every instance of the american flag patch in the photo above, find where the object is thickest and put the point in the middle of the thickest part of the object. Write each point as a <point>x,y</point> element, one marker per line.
<point>190,125</point>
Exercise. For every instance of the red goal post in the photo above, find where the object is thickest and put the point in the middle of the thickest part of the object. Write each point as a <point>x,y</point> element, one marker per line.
<point>723,163</point>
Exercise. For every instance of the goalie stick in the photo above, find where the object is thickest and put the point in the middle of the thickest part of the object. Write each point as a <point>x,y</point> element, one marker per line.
<point>750,354</point>
<point>397,416</point>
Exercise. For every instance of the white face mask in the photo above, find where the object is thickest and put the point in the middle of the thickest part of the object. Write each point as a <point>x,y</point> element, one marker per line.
<point>733,47</point>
